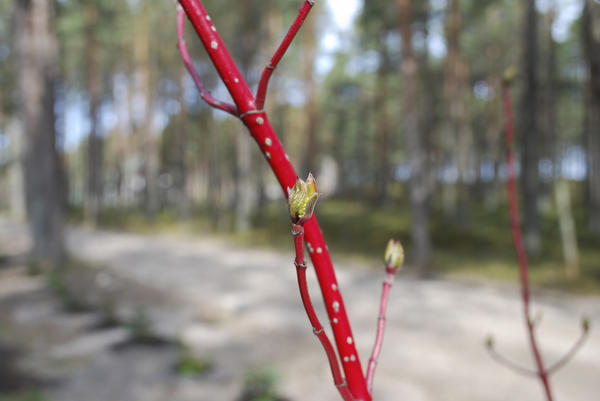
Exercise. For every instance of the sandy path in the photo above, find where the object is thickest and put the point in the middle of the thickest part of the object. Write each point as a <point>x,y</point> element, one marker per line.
<point>241,306</point>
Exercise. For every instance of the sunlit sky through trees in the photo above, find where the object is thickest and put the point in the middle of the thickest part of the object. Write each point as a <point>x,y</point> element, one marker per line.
<point>337,32</point>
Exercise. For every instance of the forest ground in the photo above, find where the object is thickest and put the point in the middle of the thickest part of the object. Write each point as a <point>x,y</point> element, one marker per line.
<point>238,309</point>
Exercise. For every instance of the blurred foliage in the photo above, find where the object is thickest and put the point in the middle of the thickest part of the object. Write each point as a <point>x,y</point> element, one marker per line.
<point>260,384</point>
<point>152,118</point>
<point>188,364</point>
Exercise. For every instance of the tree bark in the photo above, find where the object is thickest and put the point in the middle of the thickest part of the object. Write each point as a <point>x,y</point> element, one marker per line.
<point>459,132</point>
<point>591,39</point>
<point>382,121</point>
<point>561,187</point>
<point>37,74</point>
<point>95,141</point>
<point>311,111</point>
<point>530,143</point>
<point>417,154</point>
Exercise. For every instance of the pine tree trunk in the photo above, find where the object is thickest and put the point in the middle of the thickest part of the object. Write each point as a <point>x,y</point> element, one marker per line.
<point>382,121</point>
<point>461,135</point>
<point>95,141</point>
<point>591,35</point>
<point>417,155</point>
<point>529,134</point>
<point>37,74</point>
<point>311,112</point>
<point>561,187</point>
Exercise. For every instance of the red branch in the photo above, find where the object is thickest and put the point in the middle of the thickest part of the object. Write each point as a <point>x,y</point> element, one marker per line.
<point>518,241</point>
<point>263,85</point>
<point>205,94</point>
<point>385,292</point>
<point>258,124</point>
<point>340,383</point>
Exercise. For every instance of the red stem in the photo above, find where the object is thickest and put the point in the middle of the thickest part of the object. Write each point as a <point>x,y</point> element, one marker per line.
<point>183,51</point>
<point>387,285</point>
<point>261,130</point>
<point>518,241</point>
<point>340,383</point>
<point>263,85</point>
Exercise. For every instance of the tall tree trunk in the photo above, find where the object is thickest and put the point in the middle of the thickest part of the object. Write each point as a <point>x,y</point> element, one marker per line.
<point>180,146</point>
<point>95,141</point>
<point>561,187</point>
<point>530,143</point>
<point>460,133</point>
<point>311,112</point>
<point>16,188</point>
<point>382,123</point>
<point>37,73</point>
<point>591,36</point>
<point>417,154</point>
<point>149,141</point>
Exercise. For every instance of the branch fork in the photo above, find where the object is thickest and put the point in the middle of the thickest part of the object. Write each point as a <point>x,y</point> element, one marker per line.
<point>250,110</point>
<point>541,370</point>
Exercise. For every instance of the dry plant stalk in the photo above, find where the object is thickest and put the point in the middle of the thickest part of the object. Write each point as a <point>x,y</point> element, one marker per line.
<point>541,370</point>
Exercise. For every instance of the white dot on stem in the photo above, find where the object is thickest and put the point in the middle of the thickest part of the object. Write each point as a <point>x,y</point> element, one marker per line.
<point>214,45</point>
<point>268,142</point>
<point>349,340</point>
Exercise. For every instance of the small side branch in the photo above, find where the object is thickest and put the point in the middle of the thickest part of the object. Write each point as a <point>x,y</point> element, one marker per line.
<point>569,355</point>
<point>387,285</point>
<point>183,51</point>
<point>340,383</point>
<point>261,92</point>
<point>510,364</point>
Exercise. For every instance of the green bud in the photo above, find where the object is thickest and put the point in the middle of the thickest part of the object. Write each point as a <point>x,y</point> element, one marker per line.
<point>489,342</point>
<point>509,76</point>
<point>394,254</point>
<point>585,324</point>
<point>302,199</point>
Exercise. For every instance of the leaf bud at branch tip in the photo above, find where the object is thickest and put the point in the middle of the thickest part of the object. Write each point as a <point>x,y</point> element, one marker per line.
<point>489,342</point>
<point>394,255</point>
<point>509,76</point>
<point>302,199</point>
<point>585,324</point>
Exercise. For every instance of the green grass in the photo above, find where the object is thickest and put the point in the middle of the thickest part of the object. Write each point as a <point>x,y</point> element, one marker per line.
<point>359,231</point>
<point>24,396</point>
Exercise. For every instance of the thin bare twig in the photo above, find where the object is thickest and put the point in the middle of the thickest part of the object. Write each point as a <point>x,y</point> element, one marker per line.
<point>340,383</point>
<point>261,92</point>
<point>510,364</point>
<point>387,285</point>
<point>569,355</point>
<point>204,93</point>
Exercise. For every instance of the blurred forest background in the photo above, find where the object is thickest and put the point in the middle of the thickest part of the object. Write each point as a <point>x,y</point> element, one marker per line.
<point>396,106</point>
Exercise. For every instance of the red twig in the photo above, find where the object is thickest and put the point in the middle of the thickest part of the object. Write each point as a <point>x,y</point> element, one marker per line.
<point>518,241</point>
<point>260,128</point>
<point>340,383</point>
<point>385,292</point>
<point>263,84</point>
<point>569,355</point>
<point>183,51</point>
